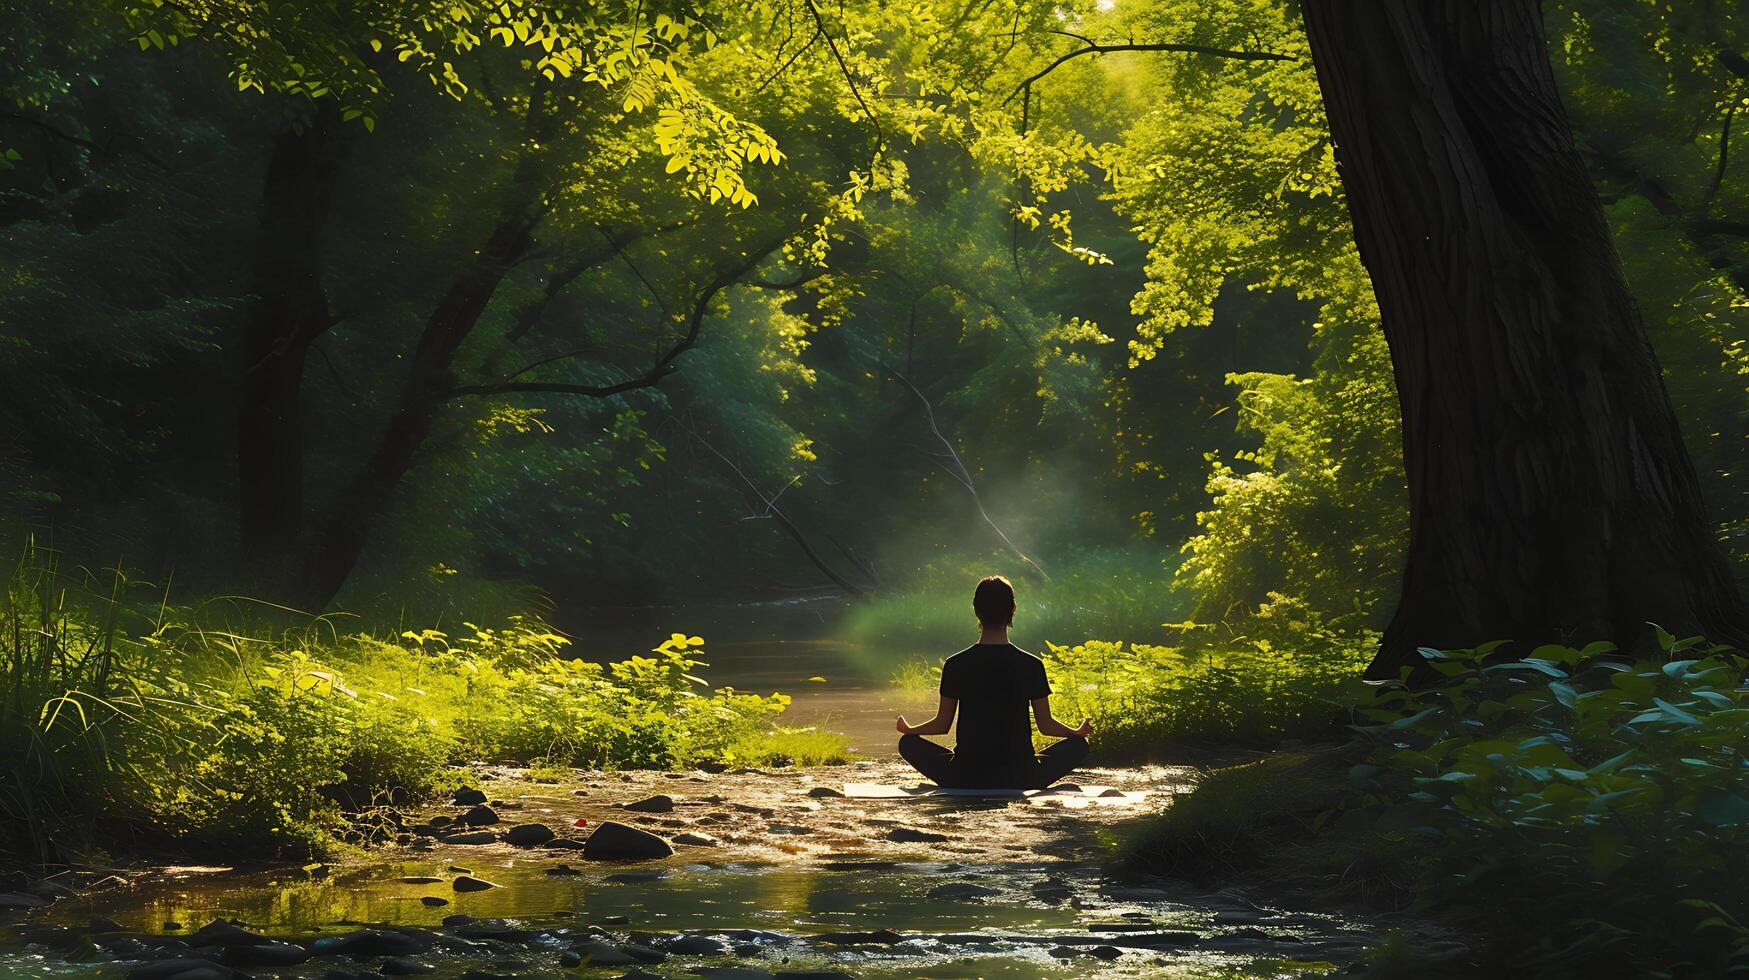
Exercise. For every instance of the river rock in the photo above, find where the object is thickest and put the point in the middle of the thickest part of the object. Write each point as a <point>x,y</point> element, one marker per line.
<point>695,946</point>
<point>479,816</point>
<point>911,835</point>
<point>469,797</point>
<point>181,969</point>
<point>962,891</point>
<point>432,901</point>
<point>471,837</point>
<point>103,923</point>
<point>570,958</point>
<point>604,954</point>
<point>615,841</point>
<point>468,883</point>
<point>376,942</point>
<point>660,803</point>
<point>267,954</point>
<point>420,880</point>
<point>823,792</point>
<point>691,839</point>
<point>529,834</point>
<point>1105,952</point>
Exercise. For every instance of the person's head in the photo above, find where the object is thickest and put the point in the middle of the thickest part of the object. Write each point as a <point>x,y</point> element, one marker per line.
<point>994,602</point>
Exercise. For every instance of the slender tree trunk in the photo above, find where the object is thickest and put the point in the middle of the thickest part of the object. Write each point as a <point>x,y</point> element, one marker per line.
<point>364,501</point>
<point>1551,497</point>
<point>290,311</point>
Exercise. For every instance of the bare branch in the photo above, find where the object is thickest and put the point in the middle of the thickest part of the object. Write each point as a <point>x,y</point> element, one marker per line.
<point>1092,47</point>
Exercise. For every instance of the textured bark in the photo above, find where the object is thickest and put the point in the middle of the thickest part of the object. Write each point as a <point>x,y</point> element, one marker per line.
<point>290,311</point>
<point>1551,497</point>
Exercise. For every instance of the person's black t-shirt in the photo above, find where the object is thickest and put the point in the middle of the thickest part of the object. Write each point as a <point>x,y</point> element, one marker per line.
<point>995,685</point>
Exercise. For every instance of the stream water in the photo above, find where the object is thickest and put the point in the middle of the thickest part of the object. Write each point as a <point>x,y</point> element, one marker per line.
<point>794,880</point>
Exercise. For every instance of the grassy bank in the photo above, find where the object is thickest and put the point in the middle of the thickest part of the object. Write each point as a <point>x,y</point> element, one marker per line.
<point>1587,815</point>
<point>158,728</point>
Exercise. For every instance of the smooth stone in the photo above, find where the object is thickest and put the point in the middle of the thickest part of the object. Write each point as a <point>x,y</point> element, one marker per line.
<point>570,958</point>
<point>696,946</point>
<point>432,901</point>
<point>456,921</point>
<point>691,839</point>
<point>824,792</point>
<point>469,797</point>
<point>419,880</point>
<point>1063,952</point>
<point>1238,916</point>
<point>961,891</point>
<point>1105,952</point>
<point>471,837</point>
<point>221,933</point>
<point>479,816</point>
<point>529,834</point>
<point>616,841</point>
<point>400,966</point>
<point>644,954</point>
<point>604,954</point>
<point>453,869</point>
<point>193,968</point>
<point>910,835</point>
<point>374,942</point>
<point>267,954</point>
<point>660,803</point>
<point>468,883</point>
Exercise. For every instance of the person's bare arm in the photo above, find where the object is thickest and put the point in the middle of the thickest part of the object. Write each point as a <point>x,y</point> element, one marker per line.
<point>939,725</point>
<point>1051,727</point>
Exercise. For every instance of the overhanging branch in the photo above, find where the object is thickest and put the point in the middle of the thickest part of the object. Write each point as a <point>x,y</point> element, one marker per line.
<point>1095,47</point>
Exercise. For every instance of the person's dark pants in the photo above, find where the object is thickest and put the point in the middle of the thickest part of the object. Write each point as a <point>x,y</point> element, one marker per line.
<point>938,765</point>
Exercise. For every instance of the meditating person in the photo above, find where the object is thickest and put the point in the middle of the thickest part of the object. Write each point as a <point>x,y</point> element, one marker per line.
<point>991,685</point>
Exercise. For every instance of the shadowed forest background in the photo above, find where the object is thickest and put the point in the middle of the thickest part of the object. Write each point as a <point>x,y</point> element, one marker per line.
<point>359,350</point>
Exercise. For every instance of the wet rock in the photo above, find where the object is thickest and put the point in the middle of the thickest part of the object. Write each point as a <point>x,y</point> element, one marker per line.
<point>469,797</point>
<point>401,966</point>
<point>432,901</point>
<point>749,951</point>
<point>615,841</point>
<point>374,942</point>
<point>635,877</point>
<point>911,835</point>
<point>637,974</point>
<point>471,837</point>
<point>660,803</point>
<point>103,923</point>
<point>172,926</point>
<point>563,871</point>
<point>529,834</point>
<point>824,792</point>
<point>962,891</point>
<point>1105,952</point>
<point>480,816</point>
<point>565,844</point>
<point>1120,927</point>
<point>453,869</point>
<point>180,968</point>
<point>880,937</point>
<point>456,921</point>
<point>1063,952</point>
<point>441,820</point>
<point>691,839</point>
<point>643,954</point>
<point>1238,916</point>
<point>266,954</point>
<point>696,946</point>
<point>468,883</point>
<point>604,954</point>
<point>570,958</point>
<point>16,901</point>
<point>419,880</point>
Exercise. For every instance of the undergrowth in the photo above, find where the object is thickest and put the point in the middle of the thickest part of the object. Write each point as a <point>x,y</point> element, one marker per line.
<point>158,728</point>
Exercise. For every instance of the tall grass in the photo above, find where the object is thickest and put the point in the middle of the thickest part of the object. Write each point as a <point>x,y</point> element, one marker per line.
<point>159,727</point>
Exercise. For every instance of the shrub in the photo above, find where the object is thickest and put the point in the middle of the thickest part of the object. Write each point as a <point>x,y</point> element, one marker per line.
<point>1595,813</point>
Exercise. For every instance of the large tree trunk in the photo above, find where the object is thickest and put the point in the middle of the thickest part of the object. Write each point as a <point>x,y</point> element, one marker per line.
<point>290,310</point>
<point>1550,494</point>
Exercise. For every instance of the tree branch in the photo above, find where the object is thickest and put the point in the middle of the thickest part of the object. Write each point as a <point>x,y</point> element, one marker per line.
<point>1094,47</point>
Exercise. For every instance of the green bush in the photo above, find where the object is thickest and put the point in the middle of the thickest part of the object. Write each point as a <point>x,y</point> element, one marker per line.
<point>269,744</point>
<point>1594,813</point>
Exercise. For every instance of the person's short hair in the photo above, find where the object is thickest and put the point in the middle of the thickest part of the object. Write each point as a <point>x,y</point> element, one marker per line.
<point>994,601</point>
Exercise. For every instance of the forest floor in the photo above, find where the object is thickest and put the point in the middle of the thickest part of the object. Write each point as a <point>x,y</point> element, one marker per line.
<point>783,879</point>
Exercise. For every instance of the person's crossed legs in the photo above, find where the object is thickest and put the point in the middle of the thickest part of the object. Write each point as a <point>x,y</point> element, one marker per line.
<point>937,764</point>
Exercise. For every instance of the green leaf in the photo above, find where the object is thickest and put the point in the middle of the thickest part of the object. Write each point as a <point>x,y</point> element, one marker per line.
<point>1722,808</point>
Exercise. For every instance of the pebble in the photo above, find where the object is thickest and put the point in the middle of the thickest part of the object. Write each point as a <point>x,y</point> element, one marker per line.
<point>660,803</point>
<point>471,837</point>
<point>432,901</point>
<point>529,834</point>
